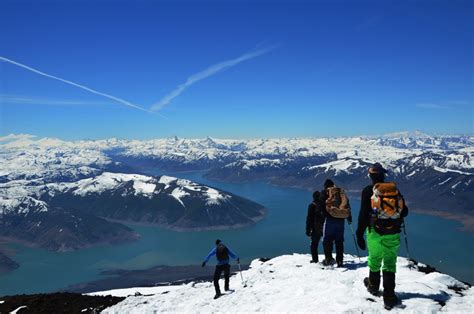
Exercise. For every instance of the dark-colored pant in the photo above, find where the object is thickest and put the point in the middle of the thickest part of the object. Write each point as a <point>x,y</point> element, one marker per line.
<point>333,232</point>
<point>217,275</point>
<point>314,245</point>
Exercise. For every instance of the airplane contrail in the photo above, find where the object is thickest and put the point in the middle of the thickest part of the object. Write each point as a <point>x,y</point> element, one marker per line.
<point>214,69</point>
<point>90,90</point>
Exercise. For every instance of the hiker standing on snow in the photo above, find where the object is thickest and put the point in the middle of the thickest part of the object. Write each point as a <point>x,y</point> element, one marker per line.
<point>314,224</point>
<point>222,254</point>
<point>382,211</point>
<point>337,209</point>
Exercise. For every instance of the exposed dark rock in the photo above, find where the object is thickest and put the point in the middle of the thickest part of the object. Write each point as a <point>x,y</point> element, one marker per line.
<point>57,303</point>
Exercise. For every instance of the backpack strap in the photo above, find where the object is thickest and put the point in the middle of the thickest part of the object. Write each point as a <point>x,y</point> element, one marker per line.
<point>384,202</point>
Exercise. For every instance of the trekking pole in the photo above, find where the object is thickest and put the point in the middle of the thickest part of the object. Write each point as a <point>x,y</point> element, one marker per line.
<point>241,277</point>
<point>406,238</point>
<point>355,242</point>
<point>406,242</point>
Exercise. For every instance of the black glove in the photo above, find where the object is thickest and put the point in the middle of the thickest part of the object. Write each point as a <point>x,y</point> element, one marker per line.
<point>203,264</point>
<point>238,260</point>
<point>308,233</point>
<point>361,243</point>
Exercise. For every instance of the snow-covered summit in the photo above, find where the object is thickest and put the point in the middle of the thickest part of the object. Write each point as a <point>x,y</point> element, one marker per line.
<point>290,283</point>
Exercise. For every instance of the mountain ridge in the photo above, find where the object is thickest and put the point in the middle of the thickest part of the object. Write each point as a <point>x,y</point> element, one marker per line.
<point>71,215</point>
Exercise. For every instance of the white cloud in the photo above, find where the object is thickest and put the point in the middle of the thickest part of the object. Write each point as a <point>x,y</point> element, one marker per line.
<point>212,70</point>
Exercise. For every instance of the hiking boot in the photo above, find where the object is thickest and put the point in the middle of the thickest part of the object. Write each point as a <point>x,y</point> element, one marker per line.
<point>339,262</point>
<point>390,301</point>
<point>328,262</point>
<point>327,246</point>
<point>372,283</point>
<point>371,289</point>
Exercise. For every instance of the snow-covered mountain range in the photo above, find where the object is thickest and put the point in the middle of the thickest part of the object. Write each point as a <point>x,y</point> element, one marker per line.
<point>434,172</point>
<point>65,195</point>
<point>289,283</point>
<point>101,178</point>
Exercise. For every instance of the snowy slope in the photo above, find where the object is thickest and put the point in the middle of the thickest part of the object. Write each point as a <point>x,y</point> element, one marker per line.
<point>290,283</point>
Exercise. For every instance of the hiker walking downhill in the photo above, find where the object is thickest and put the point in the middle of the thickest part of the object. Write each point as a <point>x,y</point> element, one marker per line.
<point>337,209</point>
<point>314,224</point>
<point>222,254</point>
<point>382,211</point>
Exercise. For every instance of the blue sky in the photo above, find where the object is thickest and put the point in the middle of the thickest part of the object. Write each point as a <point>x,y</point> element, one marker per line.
<point>314,68</point>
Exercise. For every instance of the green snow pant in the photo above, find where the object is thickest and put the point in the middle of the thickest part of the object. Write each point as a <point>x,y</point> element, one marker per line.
<point>382,248</point>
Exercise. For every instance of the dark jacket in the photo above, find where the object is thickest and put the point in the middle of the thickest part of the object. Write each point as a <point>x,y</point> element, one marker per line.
<point>324,197</point>
<point>315,218</point>
<point>366,211</point>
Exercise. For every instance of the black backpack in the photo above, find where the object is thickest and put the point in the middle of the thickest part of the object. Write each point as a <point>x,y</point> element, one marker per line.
<point>222,253</point>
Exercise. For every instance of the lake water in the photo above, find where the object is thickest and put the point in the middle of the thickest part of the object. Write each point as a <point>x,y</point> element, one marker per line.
<point>432,240</point>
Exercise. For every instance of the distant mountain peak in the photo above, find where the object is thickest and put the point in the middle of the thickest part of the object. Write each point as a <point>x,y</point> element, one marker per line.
<point>416,133</point>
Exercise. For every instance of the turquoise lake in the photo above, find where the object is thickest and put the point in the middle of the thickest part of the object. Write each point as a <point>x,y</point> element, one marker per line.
<point>432,240</point>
